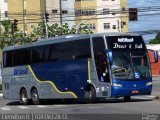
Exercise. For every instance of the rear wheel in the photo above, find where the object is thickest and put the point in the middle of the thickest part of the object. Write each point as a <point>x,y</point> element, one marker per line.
<point>35,97</point>
<point>90,94</point>
<point>24,97</point>
<point>127,98</point>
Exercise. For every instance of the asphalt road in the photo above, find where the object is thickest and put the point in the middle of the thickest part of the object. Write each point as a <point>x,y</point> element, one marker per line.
<point>139,105</point>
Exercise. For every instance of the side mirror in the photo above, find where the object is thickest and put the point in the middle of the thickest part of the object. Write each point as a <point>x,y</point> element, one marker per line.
<point>110,55</point>
<point>153,55</point>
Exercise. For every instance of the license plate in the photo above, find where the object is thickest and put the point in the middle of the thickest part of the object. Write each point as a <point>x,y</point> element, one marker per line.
<point>135,91</point>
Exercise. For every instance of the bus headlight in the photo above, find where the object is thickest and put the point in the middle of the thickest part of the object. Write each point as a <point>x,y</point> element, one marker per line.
<point>117,85</point>
<point>148,83</point>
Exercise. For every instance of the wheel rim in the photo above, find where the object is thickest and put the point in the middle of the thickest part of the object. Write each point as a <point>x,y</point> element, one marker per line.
<point>90,94</point>
<point>35,97</point>
<point>24,97</point>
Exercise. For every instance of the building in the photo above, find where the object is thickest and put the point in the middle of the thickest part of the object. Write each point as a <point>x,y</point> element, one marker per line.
<point>3,10</point>
<point>102,15</point>
<point>68,12</point>
<point>27,12</point>
<point>98,15</point>
<point>53,7</point>
<point>155,66</point>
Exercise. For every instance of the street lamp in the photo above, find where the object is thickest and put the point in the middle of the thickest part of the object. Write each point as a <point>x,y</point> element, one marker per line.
<point>78,26</point>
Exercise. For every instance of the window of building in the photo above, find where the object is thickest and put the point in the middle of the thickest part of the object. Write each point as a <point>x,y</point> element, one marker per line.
<point>64,11</point>
<point>83,0</point>
<point>123,8</point>
<point>105,11</point>
<point>91,26</point>
<point>85,12</point>
<point>6,14</point>
<point>54,11</point>
<point>106,25</point>
<point>5,1</point>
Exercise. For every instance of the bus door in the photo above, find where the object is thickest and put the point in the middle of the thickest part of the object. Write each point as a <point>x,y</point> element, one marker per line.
<point>102,64</point>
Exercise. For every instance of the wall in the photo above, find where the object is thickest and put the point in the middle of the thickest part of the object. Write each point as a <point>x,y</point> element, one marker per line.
<point>155,66</point>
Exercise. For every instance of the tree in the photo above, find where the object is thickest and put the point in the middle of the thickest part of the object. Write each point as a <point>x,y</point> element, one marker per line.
<point>156,40</point>
<point>57,30</point>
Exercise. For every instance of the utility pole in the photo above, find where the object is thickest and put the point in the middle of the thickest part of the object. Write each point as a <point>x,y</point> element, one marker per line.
<point>60,3</point>
<point>46,17</point>
<point>118,25</point>
<point>24,15</point>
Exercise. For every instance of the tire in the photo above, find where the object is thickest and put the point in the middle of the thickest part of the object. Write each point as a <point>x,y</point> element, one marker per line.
<point>127,99</point>
<point>90,94</point>
<point>24,97</point>
<point>35,97</point>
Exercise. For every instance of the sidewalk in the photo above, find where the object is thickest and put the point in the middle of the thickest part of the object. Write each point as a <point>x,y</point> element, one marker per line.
<point>156,87</point>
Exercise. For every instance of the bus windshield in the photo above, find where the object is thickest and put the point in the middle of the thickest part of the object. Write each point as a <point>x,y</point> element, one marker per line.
<point>128,66</point>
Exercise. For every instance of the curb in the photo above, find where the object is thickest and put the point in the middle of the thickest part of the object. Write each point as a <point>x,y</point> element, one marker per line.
<point>154,97</point>
<point>157,97</point>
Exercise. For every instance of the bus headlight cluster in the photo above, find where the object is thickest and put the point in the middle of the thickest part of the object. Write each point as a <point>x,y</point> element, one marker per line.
<point>117,85</point>
<point>148,83</point>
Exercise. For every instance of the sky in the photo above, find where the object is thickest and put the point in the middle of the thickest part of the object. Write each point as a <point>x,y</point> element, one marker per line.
<point>144,23</point>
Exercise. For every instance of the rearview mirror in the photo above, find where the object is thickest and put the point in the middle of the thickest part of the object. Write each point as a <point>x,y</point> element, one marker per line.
<point>110,56</point>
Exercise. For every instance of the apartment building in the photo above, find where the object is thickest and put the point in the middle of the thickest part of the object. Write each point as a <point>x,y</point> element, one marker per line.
<point>3,10</point>
<point>98,15</point>
<point>102,15</point>
<point>68,12</point>
<point>27,12</point>
<point>53,7</point>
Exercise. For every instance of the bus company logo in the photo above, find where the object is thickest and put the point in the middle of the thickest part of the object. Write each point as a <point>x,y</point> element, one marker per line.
<point>21,71</point>
<point>125,40</point>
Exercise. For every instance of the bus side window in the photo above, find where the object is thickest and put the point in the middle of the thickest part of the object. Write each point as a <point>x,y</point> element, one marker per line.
<point>37,54</point>
<point>100,59</point>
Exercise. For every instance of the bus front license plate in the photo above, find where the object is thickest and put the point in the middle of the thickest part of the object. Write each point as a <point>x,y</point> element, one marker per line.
<point>135,92</point>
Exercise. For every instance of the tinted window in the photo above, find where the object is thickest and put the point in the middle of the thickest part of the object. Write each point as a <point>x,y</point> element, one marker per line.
<point>7,59</point>
<point>17,57</point>
<point>69,50</point>
<point>37,54</point>
<point>98,46</point>
<point>21,57</point>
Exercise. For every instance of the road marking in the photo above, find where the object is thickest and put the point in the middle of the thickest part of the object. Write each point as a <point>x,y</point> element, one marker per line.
<point>6,108</point>
<point>60,105</point>
<point>23,107</point>
<point>41,106</point>
<point>1,94</point>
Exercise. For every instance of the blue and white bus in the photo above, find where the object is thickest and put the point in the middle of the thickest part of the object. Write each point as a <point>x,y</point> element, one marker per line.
<point>77,66</point>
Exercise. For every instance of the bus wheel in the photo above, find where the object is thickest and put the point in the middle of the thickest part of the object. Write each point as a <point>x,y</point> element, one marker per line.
<point>127,99</point>
<point>24,97</point>
<point>90,94</point>
<point>35,97</point>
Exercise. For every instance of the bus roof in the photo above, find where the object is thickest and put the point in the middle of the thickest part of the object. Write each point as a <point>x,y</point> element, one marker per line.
<point>65,38</point>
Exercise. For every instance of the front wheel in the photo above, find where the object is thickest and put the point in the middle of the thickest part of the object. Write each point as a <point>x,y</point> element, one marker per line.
<point>90,94</point>
<point>127,98</point>
<point>35,97</point>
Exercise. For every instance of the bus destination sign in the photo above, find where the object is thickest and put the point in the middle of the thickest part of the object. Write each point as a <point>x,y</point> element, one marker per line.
<point>123,43</point>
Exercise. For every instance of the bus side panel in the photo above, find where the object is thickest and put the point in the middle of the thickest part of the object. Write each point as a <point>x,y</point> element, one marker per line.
<point>65,79</point>
<point>13,81</point>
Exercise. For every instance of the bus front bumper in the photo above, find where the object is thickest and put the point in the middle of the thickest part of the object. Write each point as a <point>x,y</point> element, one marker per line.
<point>120,91</point>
